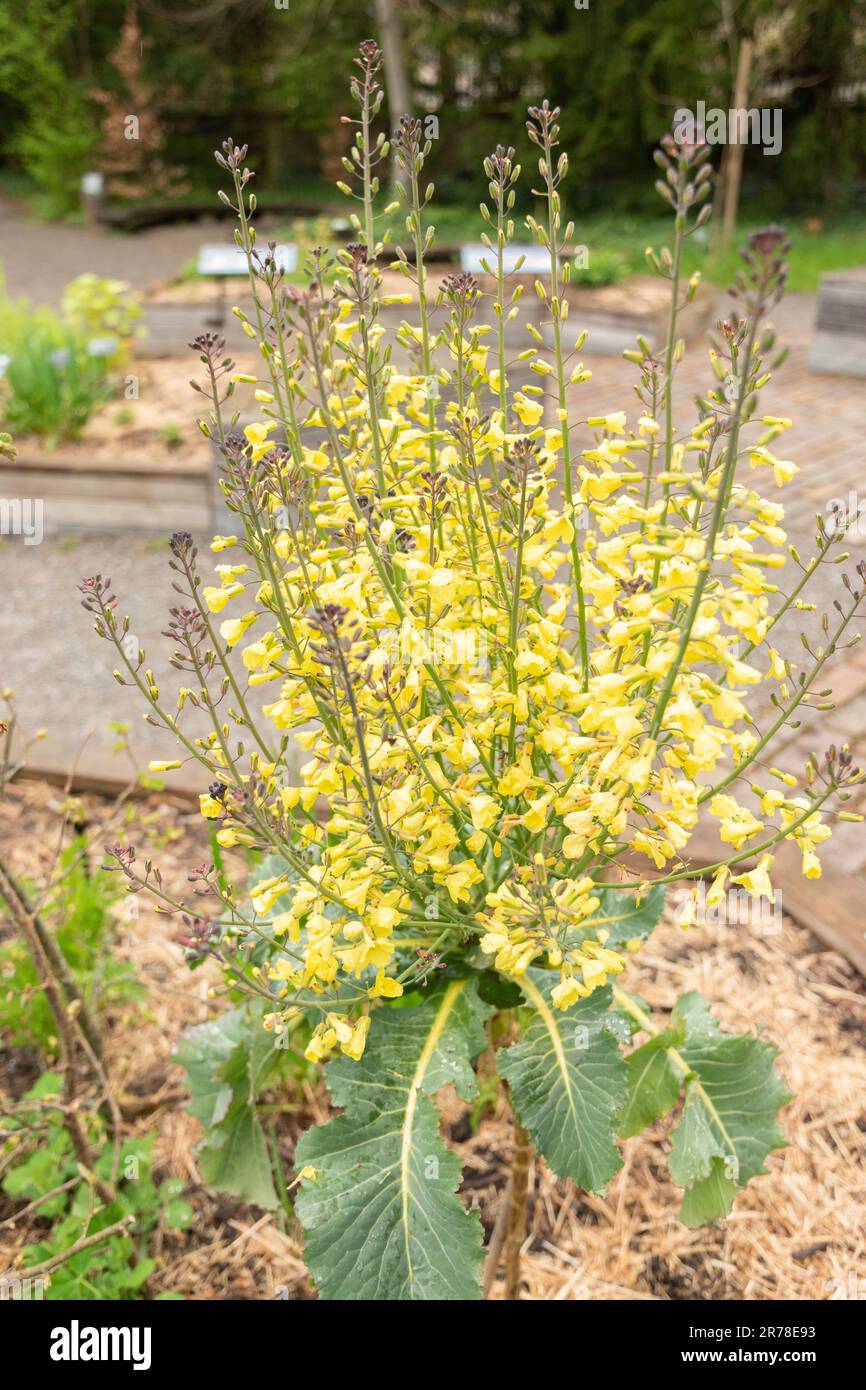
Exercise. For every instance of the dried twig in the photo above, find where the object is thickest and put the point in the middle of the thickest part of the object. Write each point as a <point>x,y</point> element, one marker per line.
<point>118,1228</point>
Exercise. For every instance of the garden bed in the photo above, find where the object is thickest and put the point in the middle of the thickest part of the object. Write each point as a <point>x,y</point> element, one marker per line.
<point>156,430</point>
<point>797,1233</point>
<point>181,310</point>
<point>176,311</point>
<point>141,464</point>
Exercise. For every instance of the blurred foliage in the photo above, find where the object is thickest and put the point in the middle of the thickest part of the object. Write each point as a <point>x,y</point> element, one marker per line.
<point>48,126</point>
<point>56,370</point>
<point>270,75</point>
<point>52,391</point>
<point>99,308</point>
<point>603,267</point>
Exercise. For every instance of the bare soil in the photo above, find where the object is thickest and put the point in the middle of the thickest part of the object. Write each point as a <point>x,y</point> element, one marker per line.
<point>156,431</point>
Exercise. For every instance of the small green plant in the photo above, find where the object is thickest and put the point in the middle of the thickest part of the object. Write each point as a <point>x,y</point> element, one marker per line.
<point>57,370</point>
<point>88,1190</point>
<point>95,1245</point>
<point>189,273</point>
<point>79,908</point>
<point>99,310</point>
<point>602,268</point>
<point>19,319</point>
<point>53,391</point>
<point>171,435</point>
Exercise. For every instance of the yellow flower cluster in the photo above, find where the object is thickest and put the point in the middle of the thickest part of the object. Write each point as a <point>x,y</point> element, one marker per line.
<point>509,672</point>
<point>464,773</point>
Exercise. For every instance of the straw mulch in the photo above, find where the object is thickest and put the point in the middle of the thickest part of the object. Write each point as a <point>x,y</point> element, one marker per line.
<point>799,1232</point>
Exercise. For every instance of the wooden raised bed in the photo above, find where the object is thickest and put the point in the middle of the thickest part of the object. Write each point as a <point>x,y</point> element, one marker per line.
<point>141,465</point>
<point>614,315</point>
<point>138,216</point>
<point>839,341</point>
<point>177,311</point>
<point>115,494</point>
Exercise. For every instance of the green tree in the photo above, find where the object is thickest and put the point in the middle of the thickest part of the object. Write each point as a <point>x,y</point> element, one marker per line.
<point>53,131</point>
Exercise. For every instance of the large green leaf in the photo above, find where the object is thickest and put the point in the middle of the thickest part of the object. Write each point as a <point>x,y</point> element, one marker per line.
<point>381,1217</point>
<point>568,1082</point>
<point>728,1125</point>
<point>235,1159</point>
<point>203,1052</point>
<point>710,1199</point>
<point>228,1061</point>
<point>653,1083</point>
<point>732,1096</point>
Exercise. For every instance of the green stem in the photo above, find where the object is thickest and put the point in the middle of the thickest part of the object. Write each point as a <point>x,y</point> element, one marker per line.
<point>716,520</point>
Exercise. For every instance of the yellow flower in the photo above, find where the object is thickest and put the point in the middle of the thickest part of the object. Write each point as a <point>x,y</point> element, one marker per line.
<point>268,891</point>
<point>355,1045</point>
<point>216,599</point>
<point>736,823</point>
<point>527,411</point>
<point>257,435</point>
<point>568,991</point>
<point>518,777</point>
<point>233,629</point>
<point>811,864</point>
<point>615,422</point>
<point>385,988</point>
<point>459,878</point>
<point>757,881</point>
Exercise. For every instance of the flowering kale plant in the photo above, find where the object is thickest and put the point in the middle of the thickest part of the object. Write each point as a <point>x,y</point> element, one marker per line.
<point>517,671</point>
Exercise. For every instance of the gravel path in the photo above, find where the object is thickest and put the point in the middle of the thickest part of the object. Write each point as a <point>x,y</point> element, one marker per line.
<point>50,655</point>
<point>40,258</point>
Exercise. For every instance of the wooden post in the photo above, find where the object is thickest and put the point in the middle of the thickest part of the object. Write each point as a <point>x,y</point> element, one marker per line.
<point>733,162</point>
<point>396,79</point>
